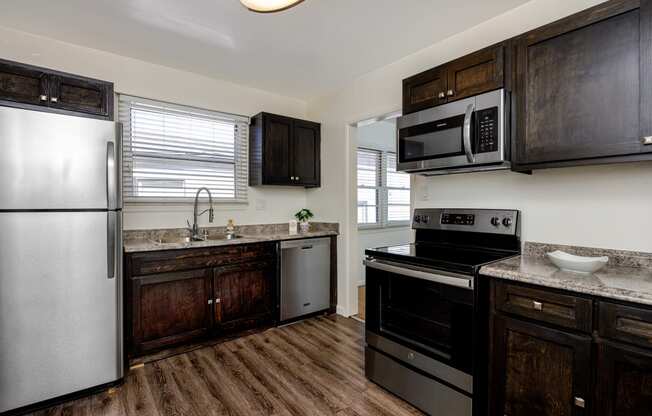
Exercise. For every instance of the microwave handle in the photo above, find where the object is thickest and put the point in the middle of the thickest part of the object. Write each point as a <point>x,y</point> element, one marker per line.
<point>467,132</point>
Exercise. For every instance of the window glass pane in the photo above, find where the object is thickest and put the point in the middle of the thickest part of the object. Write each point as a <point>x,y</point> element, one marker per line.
<point>396,179</point>
<point>367,206</point>
<point>398,196</point>
<point>171,151</point>
<point>398,213</point>
<point>368,167</point>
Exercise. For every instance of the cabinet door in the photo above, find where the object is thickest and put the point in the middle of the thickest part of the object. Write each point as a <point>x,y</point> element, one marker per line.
<point>583,87</point>
<point>81,95</point>
<point>476,73</point>
<point>170,308</point>
<point>306,142</point>
<point>624,381</point>
<point>22,84</point>
<point>244,295</point>
<point>276,150</point>
<point>538,371</point>
<point>424,90</point>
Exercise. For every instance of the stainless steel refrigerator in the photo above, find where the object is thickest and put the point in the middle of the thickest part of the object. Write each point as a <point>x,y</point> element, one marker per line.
<point>60,256</point>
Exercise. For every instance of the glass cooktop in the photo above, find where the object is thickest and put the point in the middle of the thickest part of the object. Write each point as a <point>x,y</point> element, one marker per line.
<point>442,257</point>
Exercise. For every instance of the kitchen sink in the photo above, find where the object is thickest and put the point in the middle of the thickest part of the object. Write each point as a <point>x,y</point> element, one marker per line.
<point>222,237</point>
<point>172,240</point>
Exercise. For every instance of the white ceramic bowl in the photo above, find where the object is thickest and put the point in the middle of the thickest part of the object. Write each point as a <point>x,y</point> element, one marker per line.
<point>577,264</point>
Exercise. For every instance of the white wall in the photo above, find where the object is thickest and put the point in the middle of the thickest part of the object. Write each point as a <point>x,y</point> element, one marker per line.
<point>604,206</point>
<point>143,79</point>
<point>380,135</point>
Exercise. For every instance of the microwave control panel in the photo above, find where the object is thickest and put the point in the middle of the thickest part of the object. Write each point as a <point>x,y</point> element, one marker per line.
<point>487,137</point>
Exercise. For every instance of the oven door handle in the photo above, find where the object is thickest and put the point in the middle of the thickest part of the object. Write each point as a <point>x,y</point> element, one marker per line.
<point>468,116</point>
<point>449,279</point>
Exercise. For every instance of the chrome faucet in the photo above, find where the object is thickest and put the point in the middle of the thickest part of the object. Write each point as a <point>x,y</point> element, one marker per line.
<point>194,229</point>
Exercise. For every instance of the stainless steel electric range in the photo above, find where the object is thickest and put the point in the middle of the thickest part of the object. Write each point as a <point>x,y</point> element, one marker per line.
<point>426,321</point>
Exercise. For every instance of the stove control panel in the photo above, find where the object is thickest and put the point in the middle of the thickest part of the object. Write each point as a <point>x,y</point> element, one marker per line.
<point>490,221</point>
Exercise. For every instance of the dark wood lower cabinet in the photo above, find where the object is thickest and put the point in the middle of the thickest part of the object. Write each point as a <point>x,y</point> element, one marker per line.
<point>548,367</point>
<point>170,308</point>
<point>624,381</point>
<point>231,291</point>
<point>244,295</point>
<point>539,371</point>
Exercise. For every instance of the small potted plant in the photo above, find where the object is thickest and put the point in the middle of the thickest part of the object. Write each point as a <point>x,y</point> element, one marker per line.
<point>304,217</point>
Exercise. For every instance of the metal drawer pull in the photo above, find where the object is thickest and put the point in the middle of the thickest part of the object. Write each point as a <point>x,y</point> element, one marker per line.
<point>580,402</point>
<point>54,99</point>
<point>442,95</point>
<point>538,306</point>
<point>647,140</point>
<point>43,97</point>
<point>450,93</point>
<point>218,300</point>
<point>210,301</point>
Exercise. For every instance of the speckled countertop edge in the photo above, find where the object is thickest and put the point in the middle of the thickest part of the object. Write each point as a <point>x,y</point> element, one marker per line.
<point>136,241</point>
<point>627,277</point>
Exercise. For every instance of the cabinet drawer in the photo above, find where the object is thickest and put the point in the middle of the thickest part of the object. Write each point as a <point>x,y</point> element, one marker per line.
<point>195,258</point>
<point>626,323</point>
<point>545,306</point>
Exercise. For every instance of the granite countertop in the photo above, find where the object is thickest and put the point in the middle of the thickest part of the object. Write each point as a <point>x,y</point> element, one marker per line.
<point>173,239</point>
<point>627,276</point>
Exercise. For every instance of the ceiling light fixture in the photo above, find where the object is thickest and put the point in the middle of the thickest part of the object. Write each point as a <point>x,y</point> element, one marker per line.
<point>269,6</point>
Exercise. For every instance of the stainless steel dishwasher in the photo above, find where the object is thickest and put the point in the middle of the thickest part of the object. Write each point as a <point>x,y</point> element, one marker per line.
<point>305,277</point>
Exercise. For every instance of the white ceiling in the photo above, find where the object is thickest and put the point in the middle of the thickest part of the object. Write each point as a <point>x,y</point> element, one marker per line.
<point>303,52</point>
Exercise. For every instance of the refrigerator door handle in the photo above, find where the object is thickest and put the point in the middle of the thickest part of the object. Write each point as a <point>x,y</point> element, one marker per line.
<point>111,176</point>
<point>110,251</point>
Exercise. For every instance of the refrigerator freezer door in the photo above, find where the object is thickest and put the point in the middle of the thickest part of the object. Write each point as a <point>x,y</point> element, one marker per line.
<point>60,310</point>
<point>52,161</point>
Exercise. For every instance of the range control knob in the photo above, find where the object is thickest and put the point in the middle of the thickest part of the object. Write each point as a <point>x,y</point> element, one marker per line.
<point>495,221</point>
<point>417,218</point>
<point>425,219</point>
<point>507,222</point>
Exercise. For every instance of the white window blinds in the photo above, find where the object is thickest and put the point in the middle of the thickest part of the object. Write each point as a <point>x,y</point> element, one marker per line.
<point>170,151</point>
<point>383,193</point>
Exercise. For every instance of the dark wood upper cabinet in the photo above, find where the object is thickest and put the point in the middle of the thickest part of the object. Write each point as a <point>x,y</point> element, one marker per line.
<point>424,90</point>
<point>21,84</point>
<point>473,74</point>
<point>244,295</point>
<point>284,151</point>
<point>81,95</point>
<point>624,381</point>
<point>583,88</point>
<point>170,308</point>
<point>539,371</point>
<point>34,88</point>
<point>305,153</point>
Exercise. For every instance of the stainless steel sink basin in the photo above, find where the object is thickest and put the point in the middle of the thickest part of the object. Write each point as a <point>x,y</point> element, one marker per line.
<point>222,237</point>
<point>172,240</point>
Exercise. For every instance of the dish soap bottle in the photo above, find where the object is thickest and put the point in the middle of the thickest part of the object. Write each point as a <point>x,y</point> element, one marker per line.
<point>230,230</point>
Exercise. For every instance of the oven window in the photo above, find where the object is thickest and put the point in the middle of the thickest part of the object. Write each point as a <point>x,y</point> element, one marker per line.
<point>432,140</point>
<point>432,318</point>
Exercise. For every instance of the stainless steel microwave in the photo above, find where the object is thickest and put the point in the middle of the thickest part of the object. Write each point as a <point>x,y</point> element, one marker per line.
<point>465,135</point>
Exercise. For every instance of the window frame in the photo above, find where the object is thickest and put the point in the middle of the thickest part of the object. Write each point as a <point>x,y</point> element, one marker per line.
<point>240,157</point>
<point>382,194</point>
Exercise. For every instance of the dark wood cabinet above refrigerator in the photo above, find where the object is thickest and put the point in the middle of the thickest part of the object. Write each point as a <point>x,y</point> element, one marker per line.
<point>284,151</point>
<point>41,89</point>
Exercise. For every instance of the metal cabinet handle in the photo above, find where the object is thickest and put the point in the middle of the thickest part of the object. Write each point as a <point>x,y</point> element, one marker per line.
<point>580,402</point>
<point>646,141</point>
<point>450,93</point>
<point>54,99</point>
<point>43,97</point>
<point>297,178</point>
<point>218,300</point>
<point>210,301</point>
<point>441,95</point>
<point>538,306</point>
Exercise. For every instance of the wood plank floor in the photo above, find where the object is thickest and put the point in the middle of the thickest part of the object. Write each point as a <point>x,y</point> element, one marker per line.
<point>314,367</point>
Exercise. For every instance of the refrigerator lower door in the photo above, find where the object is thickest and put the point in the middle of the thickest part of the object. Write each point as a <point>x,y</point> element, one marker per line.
<point>60,304</point>
<point>55,162</point>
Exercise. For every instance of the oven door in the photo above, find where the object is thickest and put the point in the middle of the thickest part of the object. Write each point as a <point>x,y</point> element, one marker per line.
<point>429,312</point>
<point>456,135</point>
